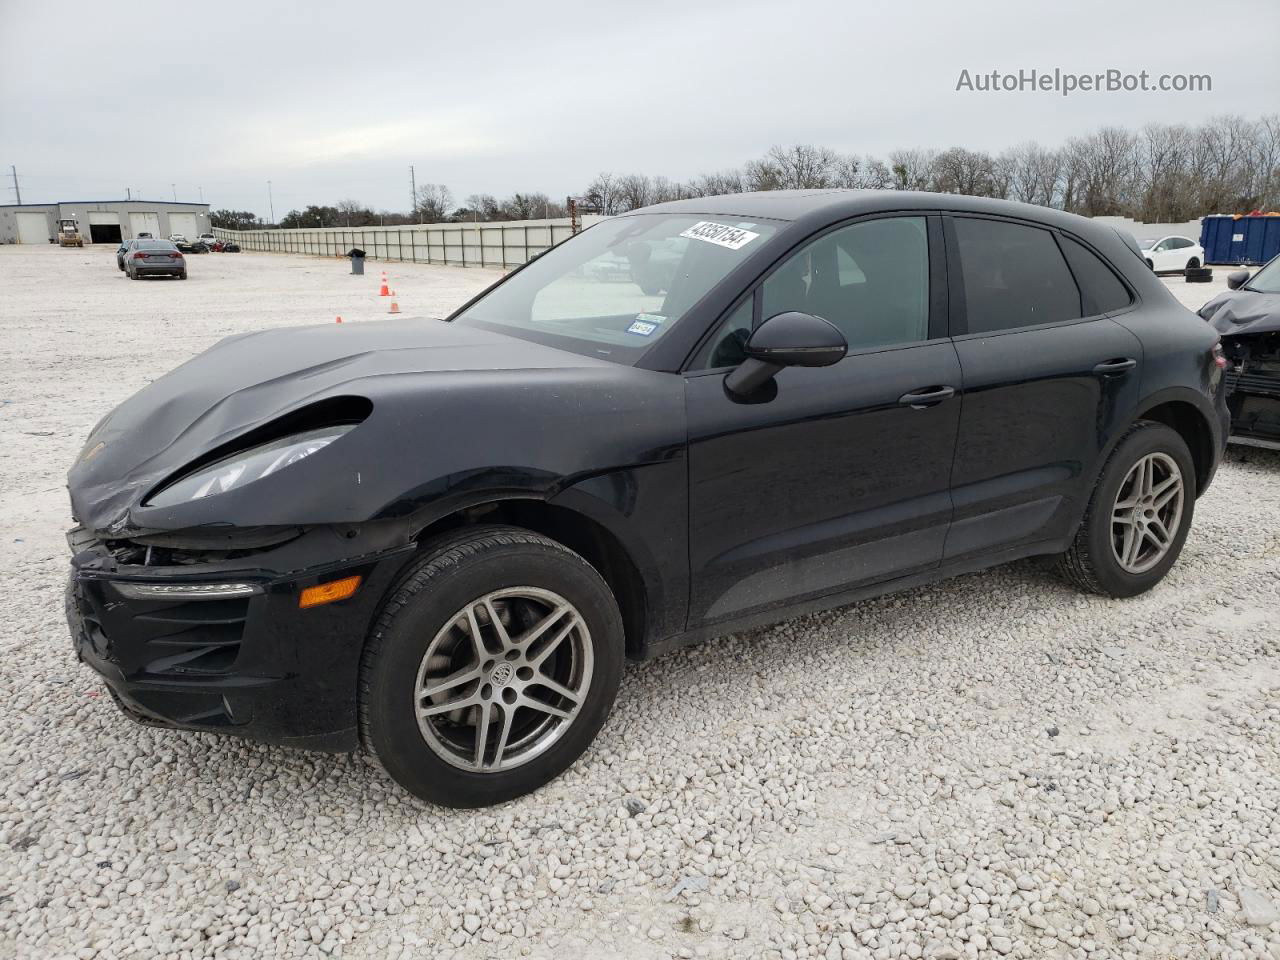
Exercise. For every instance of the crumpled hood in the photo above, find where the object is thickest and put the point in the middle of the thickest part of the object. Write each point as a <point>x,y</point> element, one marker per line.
<point>1239,312</point>
<point>246,381</point>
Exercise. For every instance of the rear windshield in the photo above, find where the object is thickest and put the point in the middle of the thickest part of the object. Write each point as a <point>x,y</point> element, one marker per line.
<point>156,245</point>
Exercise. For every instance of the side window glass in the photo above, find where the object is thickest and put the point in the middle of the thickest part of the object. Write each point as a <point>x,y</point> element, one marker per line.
<point>870,279</point>
<point>1163,245</point>
<point>1100,288</point>
<point>1013,276</point>
<point>726,348</point>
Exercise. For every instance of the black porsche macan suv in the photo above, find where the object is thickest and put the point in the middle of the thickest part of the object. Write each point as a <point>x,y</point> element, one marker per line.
<point>442,538</point>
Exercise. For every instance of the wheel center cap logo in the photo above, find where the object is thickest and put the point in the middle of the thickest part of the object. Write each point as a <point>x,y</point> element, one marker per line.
<point>502,674</point>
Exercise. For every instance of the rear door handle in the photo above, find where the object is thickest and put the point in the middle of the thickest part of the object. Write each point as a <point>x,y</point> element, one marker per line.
<point>1110,368</point>
<point>926,398</point>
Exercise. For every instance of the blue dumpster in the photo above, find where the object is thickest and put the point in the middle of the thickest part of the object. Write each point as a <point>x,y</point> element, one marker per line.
<point>1243,240</point>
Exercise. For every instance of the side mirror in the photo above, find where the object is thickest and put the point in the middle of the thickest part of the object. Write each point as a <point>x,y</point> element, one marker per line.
<point>1237,279</point>
<point>786,340</point>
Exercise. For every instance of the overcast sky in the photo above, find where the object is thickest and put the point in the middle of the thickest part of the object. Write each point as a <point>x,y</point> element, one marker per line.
<point>334,100</point>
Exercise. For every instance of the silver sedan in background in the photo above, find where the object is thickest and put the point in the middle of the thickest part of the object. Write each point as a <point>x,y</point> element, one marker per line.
<point>155,258</point>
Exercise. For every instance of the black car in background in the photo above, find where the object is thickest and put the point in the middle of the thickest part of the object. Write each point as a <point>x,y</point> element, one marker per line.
<point>1248,317</point>
<point>442,538</point>
<point>122,251</point>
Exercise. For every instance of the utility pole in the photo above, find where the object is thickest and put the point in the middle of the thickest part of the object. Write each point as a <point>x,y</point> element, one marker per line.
<point>14,170</point>
<point>413,194</point>
<point>128,193</point>
<point>272,203</point>
<point>201,189</point>
<point>174,188</point>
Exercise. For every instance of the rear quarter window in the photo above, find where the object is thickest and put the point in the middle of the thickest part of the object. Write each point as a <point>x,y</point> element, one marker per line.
<point>1100,288</point>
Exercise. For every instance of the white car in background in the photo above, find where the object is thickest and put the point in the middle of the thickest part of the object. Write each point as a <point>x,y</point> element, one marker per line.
<point>1172,254</point>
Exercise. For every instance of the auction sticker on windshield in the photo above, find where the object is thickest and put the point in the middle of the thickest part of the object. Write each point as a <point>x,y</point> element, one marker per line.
<point>721,234</point>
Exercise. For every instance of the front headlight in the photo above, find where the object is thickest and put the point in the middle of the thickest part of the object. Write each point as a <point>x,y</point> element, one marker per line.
<point>247,466</point>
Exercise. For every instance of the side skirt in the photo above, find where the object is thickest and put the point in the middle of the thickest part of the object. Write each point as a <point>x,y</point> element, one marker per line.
<point>970,564</point>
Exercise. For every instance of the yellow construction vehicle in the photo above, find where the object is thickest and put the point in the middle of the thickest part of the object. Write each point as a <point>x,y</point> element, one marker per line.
<point>69,233</point>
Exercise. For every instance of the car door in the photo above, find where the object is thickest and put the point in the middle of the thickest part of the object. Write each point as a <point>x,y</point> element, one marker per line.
<point>1048,379</point>
<point>1166,255</point>
<point>837,476</point>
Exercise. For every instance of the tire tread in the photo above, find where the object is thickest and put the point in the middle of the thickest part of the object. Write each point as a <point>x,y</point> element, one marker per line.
<point>1077,564</point>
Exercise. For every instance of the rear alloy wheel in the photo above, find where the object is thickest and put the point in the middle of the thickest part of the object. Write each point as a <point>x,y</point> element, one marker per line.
<point>1147,510</point>
<point>1138,516</point>
<point>491,668</point>
<point>1193,263</point>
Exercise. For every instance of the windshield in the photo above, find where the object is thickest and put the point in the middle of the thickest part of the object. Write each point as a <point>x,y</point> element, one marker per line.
<point>1266,280</point>
<point>617,288</point>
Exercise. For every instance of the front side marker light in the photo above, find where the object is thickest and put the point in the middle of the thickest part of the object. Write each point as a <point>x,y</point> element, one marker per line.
<point>330,592</point>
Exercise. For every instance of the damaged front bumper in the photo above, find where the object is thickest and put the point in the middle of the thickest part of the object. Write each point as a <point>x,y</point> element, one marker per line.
<point>1253,389</point>
<point>221,645</point>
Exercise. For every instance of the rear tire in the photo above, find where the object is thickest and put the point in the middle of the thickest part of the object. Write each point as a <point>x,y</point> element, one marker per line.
<point>1116,551</point>
<point>1193,263</point>
<point>463,628</point>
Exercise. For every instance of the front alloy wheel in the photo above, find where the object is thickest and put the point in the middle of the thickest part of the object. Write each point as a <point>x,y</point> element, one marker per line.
<point>504,678</point>
<point>491,667</point>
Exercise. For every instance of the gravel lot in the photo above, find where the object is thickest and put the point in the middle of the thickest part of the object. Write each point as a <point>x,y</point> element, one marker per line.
<point>993,766</point>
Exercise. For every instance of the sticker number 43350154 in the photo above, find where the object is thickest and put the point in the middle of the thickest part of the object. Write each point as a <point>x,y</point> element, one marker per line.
<point>721,234</point>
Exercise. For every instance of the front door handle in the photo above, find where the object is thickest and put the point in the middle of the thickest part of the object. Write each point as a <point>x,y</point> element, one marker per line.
<point>926,398</point>
<point>1111,368</point>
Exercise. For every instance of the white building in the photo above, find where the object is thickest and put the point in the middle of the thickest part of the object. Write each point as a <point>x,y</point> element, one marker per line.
<point>102,221</point>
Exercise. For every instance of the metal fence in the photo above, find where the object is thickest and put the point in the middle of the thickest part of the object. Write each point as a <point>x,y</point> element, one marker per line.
<point>453,244</point>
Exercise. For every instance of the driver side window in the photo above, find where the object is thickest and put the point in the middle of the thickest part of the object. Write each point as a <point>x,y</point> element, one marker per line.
<point>869,279</point>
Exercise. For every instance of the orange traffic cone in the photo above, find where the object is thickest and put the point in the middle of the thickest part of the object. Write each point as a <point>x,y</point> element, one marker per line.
<point>384,292</point>
<point>395,307</point>
<point>339,320</point>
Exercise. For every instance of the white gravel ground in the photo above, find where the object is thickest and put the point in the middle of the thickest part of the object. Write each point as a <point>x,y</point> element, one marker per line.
<point>994,766</point>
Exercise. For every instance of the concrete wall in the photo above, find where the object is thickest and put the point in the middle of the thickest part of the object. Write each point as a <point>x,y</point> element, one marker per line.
<point>501,244</point>
<point>81,210</point>
<point>1141,231</point>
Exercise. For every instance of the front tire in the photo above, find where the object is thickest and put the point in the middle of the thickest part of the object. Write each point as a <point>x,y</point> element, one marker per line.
<point>491,667</point>
<point>1138,517</point>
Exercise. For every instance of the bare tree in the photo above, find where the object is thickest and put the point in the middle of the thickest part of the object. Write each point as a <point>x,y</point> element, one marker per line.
<point>964,171</point>
<point>634,190</point>
<point>912,169</point>
<point>603,192</point>
<point>434,202</point>
<point>481,206</point>
<point>803,166</point>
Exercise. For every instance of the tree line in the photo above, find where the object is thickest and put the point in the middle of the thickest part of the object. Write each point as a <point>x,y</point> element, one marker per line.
<point>1161,173</point>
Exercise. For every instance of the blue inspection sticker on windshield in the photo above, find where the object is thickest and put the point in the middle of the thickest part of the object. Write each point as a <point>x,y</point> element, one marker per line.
<point>642,329</point>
